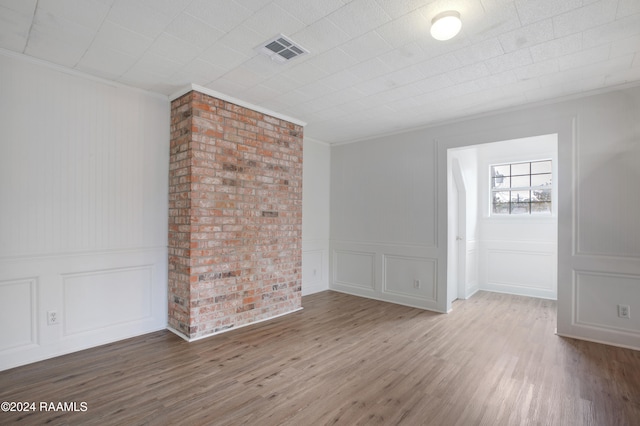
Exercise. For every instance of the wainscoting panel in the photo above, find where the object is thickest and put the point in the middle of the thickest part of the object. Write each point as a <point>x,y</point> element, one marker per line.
<point>18,314</point>
<point>471,284</point>
<point>599,309</point>
<point>315,266</point>
<point>100,299</point>
<point>354,269</point>
<point>312,267</point>
<point>411,277</point>
<point>385,271</point>
<point>84,191</point>
<point>519,267</point>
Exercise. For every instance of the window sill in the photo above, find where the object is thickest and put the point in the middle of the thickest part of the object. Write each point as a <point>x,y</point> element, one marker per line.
<point>523,218</point>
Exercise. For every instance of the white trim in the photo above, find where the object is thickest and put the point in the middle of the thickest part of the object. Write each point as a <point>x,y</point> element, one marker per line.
<point>492,113</point>
<point>316,141</point>
<point>189,339</point>
<point>77,253</point>
<point>393,302</point>
<point>602,342</point>
<point>177,333</point>
<point>533,292</point>
<point>317,287</point>
<point>530,188</point>
<point>472,291</point>
<point>383,244</point>
<point>189,87</point>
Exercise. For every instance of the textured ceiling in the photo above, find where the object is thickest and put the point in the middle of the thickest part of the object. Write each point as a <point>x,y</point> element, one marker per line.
<point>372,67</point>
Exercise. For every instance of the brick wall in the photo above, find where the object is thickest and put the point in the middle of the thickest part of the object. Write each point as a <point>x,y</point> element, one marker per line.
<point>235,215</point>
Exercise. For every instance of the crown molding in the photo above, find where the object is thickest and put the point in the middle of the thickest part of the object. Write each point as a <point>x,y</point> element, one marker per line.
<point>204,90</point>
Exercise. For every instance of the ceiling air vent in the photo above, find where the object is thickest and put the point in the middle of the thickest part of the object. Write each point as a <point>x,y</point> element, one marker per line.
<point>281,49</point>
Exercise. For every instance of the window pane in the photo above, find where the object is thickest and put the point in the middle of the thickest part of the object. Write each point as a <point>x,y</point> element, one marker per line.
<point>541,195</point>
<point>519,202</point>
<point>541,180</point>
<point>541,208</point>
<point>520,208</point>
<point>500,202</point>
<point>521,188</point>
<point>501,197</point>
<point>541,167</point>
<point>501,182</point>
<point>501,208</point>
<point>519,196</point>
<point>520,169</point>
<point>504,170</point>
<point>520,181</point>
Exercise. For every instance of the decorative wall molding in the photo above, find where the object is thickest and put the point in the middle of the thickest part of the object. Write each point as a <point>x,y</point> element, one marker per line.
<point>98,299</point>
<point>313,261</point>
<point>401,272</point>
<point>439,203</point>
<point>77,254</point>
<point>526,272</point>
<point>315,258</point>
<point>92,196</point>
<point>382,273</point>
<point>359,274</point>
<point>599,311</point>
<point>382,244</point>
<point>18,314</point>
<point>600,171</point>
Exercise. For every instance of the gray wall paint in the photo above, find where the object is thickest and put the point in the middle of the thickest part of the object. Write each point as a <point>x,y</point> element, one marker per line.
<point>388,198</point>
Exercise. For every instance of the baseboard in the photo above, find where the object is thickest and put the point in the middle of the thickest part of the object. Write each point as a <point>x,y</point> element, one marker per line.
<point>602,342</point>
<point>189,339</point>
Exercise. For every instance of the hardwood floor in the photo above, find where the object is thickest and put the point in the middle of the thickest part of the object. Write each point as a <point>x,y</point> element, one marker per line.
<point>494,360</point>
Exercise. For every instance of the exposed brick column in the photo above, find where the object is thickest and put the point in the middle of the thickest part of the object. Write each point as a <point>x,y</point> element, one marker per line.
<point>180,214</point>
<point>235,215</point>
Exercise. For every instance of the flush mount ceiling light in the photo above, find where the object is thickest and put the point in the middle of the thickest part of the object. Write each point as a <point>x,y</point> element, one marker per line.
<point>445,25</point>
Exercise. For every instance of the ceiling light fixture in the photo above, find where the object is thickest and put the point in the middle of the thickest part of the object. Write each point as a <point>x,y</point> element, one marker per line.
<point>446,25</point>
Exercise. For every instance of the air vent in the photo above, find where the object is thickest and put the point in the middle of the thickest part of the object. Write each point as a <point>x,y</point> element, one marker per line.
<point>281,49</point>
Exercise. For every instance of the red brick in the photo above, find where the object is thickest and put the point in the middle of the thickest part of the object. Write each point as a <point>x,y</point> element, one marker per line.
<point>235,215</point>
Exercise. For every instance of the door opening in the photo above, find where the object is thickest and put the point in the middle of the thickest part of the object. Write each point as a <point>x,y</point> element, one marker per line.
<point>456,267</point>
<point>488,250</point>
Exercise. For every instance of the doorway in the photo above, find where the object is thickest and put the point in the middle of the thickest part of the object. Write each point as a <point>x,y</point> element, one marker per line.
<point>456,267</point>
<point>487,249</point>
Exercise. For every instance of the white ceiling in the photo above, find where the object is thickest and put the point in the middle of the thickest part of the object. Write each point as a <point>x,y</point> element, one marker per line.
<point>373,68</point>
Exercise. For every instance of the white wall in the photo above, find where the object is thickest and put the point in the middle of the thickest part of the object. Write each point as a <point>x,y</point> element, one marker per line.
<point>315,216</point>
<point>389,210</point>
<point>465,162</point>
<point>384,233</point>
<point>83,223</point>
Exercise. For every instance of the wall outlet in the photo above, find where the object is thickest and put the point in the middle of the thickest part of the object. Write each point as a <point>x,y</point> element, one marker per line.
<point>624,311</point>
<point>416,283</point>
<point>52,318</point>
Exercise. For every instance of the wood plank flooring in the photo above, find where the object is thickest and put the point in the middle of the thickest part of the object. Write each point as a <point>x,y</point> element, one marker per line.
<point>344,360</point>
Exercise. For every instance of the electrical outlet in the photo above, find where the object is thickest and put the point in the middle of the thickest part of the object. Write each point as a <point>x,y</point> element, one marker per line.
<point>624,311</point>
<point>416,283</point>
<point>52,318</point>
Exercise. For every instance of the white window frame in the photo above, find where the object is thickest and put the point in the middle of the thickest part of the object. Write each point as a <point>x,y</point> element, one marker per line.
<point>550,188</point>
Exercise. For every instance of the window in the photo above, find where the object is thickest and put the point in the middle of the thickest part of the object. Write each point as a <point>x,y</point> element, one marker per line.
<point>521,188</point>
